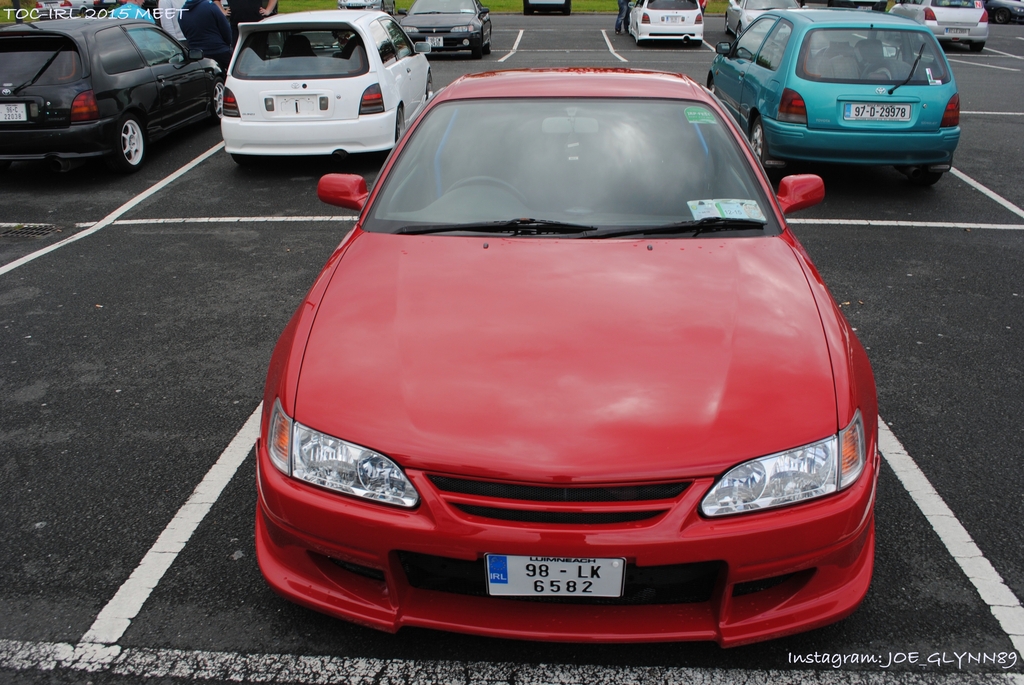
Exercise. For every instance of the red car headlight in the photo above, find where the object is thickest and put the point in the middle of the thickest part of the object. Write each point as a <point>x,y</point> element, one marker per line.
<point>314,457</point>
<point>796,475</point>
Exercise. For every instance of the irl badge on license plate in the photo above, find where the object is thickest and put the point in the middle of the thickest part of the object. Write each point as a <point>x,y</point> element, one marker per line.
<point>522,576</point>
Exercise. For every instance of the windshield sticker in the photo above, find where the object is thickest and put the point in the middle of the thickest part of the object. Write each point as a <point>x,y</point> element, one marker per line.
<point>725,209</point>
<point>699,115</point>
<point>931,79</point>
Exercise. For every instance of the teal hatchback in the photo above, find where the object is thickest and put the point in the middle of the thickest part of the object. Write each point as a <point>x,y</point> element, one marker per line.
<point>842,86</point>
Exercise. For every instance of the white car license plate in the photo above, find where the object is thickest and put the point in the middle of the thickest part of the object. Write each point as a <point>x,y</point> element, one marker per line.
<point>435,41</point>
<point>15,112</point>
<point>554,576</point>
<point>302,105</point>
<point>872,111</point>
<point>670,20</point>
<point>957,32</point>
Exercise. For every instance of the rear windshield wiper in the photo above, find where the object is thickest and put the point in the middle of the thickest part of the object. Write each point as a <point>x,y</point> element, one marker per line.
<point>514,226</point>
<point>39,73</point>
<point>706,225</point>
<point>917,61</point>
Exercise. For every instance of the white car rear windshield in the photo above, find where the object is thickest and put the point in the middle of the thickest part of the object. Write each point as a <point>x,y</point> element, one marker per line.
<point>302,53</point>
<point>863,55</point>
<point>605,163</point>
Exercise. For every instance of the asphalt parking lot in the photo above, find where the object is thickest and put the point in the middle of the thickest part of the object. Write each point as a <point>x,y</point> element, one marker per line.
<point>134,357</point>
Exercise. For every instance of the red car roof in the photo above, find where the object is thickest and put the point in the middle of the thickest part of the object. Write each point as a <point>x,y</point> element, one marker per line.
<point>574,82</point>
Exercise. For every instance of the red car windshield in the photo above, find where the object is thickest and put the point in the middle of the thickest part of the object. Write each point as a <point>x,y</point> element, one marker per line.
<point>602,163</point>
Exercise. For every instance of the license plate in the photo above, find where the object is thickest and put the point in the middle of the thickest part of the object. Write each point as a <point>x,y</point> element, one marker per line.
<point>670,20</point>
<point>435,41</point>
<point>15,112</point>
<point>957,32</point>
<point>303,105</point>
<point>869,111</point>
<point>554,576</point>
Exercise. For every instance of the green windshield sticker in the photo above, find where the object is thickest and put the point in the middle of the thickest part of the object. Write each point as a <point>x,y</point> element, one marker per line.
<point>725,209</point>
<point>699,115</point>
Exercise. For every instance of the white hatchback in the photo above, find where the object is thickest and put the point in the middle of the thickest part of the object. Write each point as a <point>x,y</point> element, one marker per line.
<point>321,83</point>
<point>680,20</point>
<point>952,21</point>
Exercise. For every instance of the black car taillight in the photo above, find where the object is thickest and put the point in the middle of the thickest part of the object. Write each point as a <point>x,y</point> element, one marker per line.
<point>230,104</point>
<point>84,107</point>
<point>372,101</point>
<point>792,108</point>
<point>951,117</point>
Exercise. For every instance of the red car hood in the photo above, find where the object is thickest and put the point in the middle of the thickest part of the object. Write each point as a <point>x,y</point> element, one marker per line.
<point>552,360</point>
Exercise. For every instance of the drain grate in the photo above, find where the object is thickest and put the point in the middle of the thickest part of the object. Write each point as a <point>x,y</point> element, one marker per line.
<point>28,231</point>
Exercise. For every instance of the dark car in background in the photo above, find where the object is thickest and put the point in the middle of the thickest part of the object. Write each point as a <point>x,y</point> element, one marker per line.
<point>76,89</point>
<point>1005,11</point>
<point>449,25</point>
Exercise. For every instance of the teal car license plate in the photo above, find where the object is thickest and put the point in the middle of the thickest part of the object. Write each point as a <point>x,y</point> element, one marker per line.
<point>873,111</point>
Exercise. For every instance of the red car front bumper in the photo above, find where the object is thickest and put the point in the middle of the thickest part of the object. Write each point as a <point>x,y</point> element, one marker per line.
<point>742,579</point>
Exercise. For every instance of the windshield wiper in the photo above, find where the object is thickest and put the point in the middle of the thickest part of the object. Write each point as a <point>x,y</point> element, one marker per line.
<point>912,70</point>
<point>515,226</point>
<point>39,73</point>
<point>705,225</point>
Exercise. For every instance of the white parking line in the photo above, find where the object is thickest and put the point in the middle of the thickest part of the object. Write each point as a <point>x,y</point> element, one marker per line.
<point>610,48</point>
<point>709,45</point>
<point>227,220</point>
<point>515,46</point>
<point>112,217</point>
<point>138,662</point>
<point>986,66</point>
<point>989,193</point>
<point>1001,114</point>
<point>1005,606</point>
<point>905,224</point>
<point>1005,54</point>
<point>126,603</point>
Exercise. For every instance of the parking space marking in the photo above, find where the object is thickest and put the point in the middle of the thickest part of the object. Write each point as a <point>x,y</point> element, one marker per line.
<point>904,224</point>
<point>1006,54</point>
<point>708,45</point>
<point>610,48</point>
<point>113,216</point>
<point>1005,606</point>
<point>126,603</point>
<point>139,662</point>
<point>1000,114</point>
<point>515,46</point>
<point>986,66</point>
<point>228,220</point>
<point>991,194</point>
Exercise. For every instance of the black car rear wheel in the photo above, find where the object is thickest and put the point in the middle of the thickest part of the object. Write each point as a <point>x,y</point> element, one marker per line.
<point>129,146</point>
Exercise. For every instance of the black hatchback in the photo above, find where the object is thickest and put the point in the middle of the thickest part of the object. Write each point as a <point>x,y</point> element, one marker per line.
<point>75,89</point>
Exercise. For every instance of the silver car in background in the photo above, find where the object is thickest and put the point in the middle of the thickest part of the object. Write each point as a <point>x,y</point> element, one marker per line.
<point>952,21</point>
<point>379,5</point>
<point>740,13</point>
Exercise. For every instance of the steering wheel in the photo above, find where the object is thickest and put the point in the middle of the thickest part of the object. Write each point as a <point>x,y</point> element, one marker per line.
<point>489,181</point>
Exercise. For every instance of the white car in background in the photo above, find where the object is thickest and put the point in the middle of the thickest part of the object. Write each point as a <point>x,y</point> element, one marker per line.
<point>740,13</point>
<point>952,21</point>
<point>321,83</point>
<point>680,20</point>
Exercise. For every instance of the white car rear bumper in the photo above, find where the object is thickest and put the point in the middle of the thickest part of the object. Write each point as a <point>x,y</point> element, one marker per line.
<point>367,133</point>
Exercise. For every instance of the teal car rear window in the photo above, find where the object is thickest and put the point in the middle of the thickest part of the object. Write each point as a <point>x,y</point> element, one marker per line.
<point>876,56</point>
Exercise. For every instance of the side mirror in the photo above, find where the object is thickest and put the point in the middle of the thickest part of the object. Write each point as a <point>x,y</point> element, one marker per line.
<point>403,13</point>
<point>344,190</point>
<point>723,48</point>
<point>422,48</point>
<point>195,54</point>
<point>797,192</point>
<point>485,10</point>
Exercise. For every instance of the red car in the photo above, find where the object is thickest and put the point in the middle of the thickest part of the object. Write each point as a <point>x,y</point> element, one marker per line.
<point>571,377</point>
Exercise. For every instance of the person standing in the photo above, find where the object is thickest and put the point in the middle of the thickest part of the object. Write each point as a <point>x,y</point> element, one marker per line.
<point>170,10</point>
<point>623,11</point>
<point>205,27</point>
<point>243,12</point>
<point>132,9</point>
